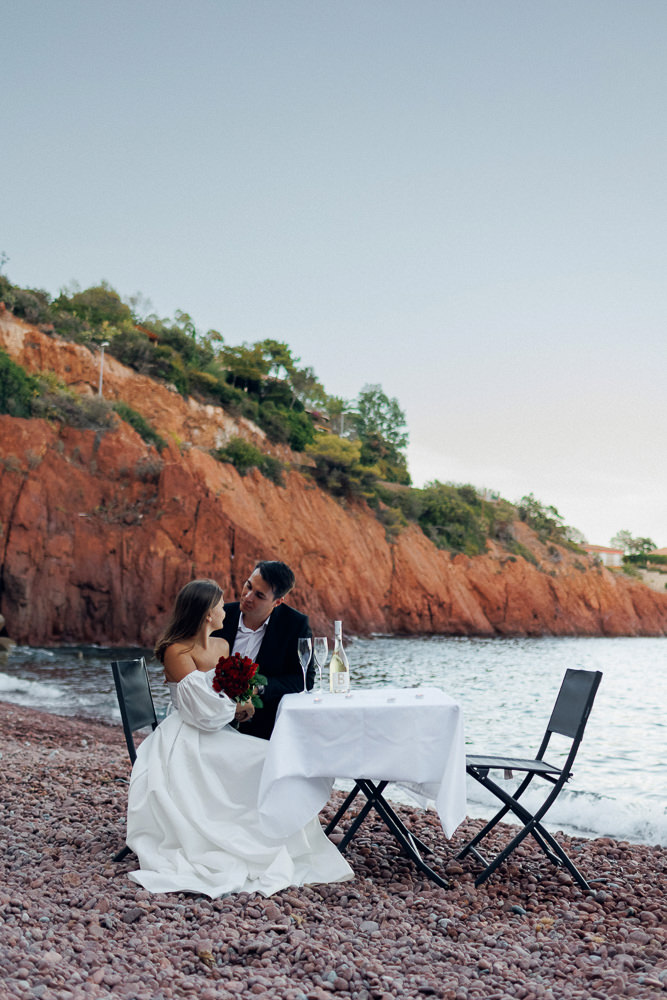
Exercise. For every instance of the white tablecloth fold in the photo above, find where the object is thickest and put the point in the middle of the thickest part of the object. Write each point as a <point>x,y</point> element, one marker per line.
<point>412,736</point>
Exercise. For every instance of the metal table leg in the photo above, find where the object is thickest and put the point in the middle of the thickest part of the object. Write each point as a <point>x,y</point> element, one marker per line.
<point>375,800</point>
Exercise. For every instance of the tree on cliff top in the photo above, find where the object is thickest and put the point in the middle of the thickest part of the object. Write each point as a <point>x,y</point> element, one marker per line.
<point>381,427</point>
<point>544,520</point>
<point>97,305</point>
<point>376,415</point>
<point>631,545</point>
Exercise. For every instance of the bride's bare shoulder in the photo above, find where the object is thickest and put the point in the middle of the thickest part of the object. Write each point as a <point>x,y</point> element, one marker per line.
<point>178,661</point>
<point>221,647</point>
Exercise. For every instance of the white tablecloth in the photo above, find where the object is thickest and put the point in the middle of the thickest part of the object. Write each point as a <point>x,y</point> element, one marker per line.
<point>413,736</point>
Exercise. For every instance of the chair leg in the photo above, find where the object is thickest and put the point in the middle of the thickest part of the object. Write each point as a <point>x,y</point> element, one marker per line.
<point>504,854</point>
<point>472,844</point>
<point>532,826</point>
<point>561,857</point>
<point>544,840</point>
<point>123,853</point>
<point>482,776</point>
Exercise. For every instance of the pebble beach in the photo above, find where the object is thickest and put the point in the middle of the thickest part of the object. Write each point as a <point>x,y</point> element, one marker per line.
<point>73,925</point>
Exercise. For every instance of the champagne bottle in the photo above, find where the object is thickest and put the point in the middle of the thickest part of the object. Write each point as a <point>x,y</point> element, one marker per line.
<point>339,668</point>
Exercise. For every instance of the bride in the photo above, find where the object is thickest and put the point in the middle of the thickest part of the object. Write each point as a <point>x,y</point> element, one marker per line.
<point>192,810</point>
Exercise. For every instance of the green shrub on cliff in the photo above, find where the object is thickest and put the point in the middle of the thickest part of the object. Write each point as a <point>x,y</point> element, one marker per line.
<point>96,306</point>
<point>210,387</point>
<point>134,349</point>
<point>546,522</point>
<point>292,427</point>
<point>32,304</point>
<point>17,388</point>
<point>244,456</point>
<point>140,424</point>
<point>453,517</point>
<point>56,402</point>
<point>6,287</point>
<point>24,395</point>
<point>338,468</point>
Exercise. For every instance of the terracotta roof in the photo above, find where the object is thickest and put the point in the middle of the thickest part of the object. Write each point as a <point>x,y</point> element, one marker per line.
<point>602,548</point>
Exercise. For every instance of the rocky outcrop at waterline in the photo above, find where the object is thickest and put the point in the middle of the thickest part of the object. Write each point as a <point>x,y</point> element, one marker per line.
<point>6,642</point>
<point>98,532</point>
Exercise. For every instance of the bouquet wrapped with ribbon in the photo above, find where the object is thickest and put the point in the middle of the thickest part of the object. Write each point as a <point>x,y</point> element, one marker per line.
<point>239,678</point>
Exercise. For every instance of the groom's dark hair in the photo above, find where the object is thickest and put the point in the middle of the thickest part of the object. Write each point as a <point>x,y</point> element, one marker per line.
<point>278,575</point>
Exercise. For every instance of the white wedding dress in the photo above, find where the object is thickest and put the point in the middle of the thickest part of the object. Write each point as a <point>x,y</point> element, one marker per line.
<point>192,811</point>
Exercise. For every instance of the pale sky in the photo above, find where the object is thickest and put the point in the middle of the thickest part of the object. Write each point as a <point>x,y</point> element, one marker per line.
<point>461,200</point>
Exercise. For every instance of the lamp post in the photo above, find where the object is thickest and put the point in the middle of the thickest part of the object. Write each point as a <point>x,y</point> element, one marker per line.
<point>105,343</point>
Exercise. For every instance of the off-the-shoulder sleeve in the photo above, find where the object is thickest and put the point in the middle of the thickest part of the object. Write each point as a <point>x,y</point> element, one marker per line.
<point>200,705</point>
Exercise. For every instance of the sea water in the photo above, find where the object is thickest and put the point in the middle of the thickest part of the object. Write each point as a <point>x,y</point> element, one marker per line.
<point>506,688</point>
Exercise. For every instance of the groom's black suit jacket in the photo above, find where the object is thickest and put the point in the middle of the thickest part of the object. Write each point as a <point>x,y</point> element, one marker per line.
<point>278,659</point>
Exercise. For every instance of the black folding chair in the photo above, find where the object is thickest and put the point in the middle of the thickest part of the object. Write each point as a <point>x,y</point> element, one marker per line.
<point>568,718</point>
<point>136,706</point>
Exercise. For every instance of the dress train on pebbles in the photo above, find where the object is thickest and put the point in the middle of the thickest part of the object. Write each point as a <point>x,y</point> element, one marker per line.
<point>192,815</point>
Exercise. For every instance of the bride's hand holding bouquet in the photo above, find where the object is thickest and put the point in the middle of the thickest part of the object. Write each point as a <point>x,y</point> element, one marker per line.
<point>238,677</point>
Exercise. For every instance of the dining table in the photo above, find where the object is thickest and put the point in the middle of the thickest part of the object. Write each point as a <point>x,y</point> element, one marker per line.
<point>413,737</point>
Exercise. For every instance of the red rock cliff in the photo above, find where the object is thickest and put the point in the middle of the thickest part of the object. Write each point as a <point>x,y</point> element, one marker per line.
<point>98,532</point>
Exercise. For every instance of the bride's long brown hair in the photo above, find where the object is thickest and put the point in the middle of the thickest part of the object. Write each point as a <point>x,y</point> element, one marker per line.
<point>193,603</point>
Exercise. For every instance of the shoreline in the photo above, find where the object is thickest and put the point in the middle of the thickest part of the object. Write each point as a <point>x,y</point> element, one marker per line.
<point>612,795</point>
<point>394,793</point>
<point>75,927</point>
<point>354,634</point>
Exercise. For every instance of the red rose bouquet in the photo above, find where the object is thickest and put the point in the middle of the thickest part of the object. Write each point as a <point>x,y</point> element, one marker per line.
<point>238,677</point>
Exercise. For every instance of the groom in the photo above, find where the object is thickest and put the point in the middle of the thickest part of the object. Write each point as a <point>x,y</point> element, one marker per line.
<point>262,627</point>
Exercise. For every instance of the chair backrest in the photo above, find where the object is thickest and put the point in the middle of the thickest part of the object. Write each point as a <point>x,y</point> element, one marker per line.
<point>574,702</point>
<point>134,699</point>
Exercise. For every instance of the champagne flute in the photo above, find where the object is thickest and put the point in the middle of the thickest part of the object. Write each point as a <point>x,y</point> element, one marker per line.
<point>304,648</point>
<point>320,655</point>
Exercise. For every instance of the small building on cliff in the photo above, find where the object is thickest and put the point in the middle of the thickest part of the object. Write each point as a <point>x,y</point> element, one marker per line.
<point>611,558</point>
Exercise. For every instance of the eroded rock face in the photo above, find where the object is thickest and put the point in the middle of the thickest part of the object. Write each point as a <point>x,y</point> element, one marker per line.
<point>178,419</point>
<point>98,532</point>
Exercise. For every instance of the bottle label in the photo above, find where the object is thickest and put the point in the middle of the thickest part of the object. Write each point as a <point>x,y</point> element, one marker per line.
<point>339,669</point>
<point>340,682</point>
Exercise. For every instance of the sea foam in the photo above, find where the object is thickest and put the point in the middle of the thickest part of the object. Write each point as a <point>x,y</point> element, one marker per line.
<point>21,691</point>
